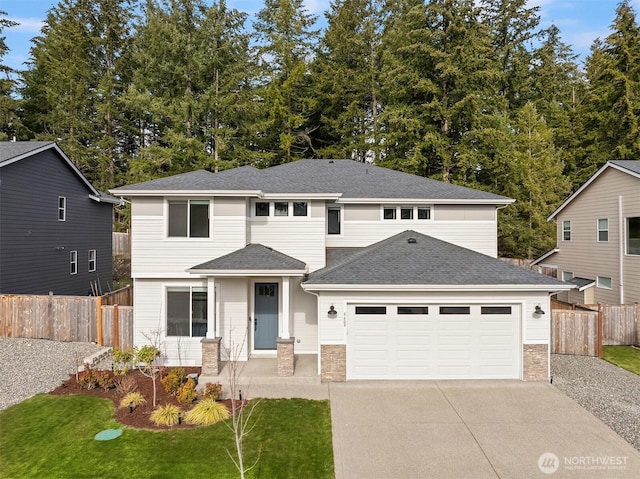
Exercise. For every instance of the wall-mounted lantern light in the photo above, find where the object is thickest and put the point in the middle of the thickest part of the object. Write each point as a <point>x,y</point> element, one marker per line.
<point>538,310</point>
<point>332,313</point>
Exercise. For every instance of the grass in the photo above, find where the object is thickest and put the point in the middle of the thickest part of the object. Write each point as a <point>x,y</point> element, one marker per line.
<point>626,357</point>
<point>52,436</point>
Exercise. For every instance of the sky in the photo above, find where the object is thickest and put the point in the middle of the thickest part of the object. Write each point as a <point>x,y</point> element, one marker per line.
<point>580,21</point>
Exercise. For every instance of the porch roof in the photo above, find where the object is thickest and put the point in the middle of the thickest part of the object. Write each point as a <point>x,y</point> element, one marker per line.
<point>252,260</point>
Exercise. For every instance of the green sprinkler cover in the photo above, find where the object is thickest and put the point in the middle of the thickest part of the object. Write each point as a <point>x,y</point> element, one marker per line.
<point>108,434</point>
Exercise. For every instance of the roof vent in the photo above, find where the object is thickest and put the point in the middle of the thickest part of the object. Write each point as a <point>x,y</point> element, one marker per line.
<point>330,162</point>
<point>411,241</point>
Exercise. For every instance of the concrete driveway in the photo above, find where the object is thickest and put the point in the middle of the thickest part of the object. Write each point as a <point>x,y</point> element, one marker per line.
<point>471,429</point>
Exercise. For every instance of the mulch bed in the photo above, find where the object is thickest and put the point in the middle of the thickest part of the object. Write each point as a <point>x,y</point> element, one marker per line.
<point>139,418</point>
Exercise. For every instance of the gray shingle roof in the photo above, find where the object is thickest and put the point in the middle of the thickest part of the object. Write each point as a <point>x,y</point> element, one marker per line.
<point>254,257</point>
<point>582,283</point>
<point>428,261</point>
<point>12,149</point>
<point>631,165</point>
<point>350,178</point>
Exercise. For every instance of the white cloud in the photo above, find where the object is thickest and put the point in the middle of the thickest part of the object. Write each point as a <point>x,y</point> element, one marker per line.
<point>316,6</point>
<point>27,25</point>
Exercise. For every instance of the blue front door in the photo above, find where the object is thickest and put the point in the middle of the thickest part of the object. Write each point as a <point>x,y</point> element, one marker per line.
<point>266,316</point>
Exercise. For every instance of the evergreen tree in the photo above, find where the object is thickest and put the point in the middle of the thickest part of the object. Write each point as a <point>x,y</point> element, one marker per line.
<point>9,122</point>
<point>285,35</point>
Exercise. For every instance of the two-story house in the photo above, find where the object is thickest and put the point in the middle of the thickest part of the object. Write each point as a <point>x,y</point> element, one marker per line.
<point>379,273</point>
<point>598,237</point>
<point>55,227</point>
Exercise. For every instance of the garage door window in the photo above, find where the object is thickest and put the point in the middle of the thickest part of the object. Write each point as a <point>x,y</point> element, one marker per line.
<point>371,310</point>
<point>455,309</point>
<point>413,310</point>
<point>495,310</point>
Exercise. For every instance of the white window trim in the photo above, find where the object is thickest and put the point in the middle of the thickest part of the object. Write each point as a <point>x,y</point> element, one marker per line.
<point>62,209</point>
<point>73,262</point>
<point>563,230</point>
<point>566,273</point>
<point>187,237</point>
<point>341,220</point>
<point>604,287</point>
<point>626,237</point>
<point>165,307</point>
<point>399,209</point>
<point>272,210</point>
<point>598,230</point>
<point>93,260</point>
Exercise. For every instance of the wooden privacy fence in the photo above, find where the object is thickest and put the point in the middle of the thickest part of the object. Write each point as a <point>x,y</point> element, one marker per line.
<point>619,324</point>
<point>120,243</point>
<point>122,296</point>
<point>575,332</point>
<point>65,318</point>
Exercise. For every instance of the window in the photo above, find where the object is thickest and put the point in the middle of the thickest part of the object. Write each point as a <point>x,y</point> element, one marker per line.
<point>604,282</point>
<point>62,208</point>
<point>567,276</point>
<point>495,310</point>
<point>371,310</point>
<point>389,213</point>
<point>633,235</point>
<point>262,208</point>
<point>299,208</point>
<point>413,310</point>
<point>281,209</point>
<point>455,309</point>
<point>92,260</point>
<point>333,221</point>
<point>187,311</point>
<point>73,262</point>
<point>406,213</point>
<point>189,218</point>
<point>566,230</point>
<point>603,230</point>
<point>424,213</point>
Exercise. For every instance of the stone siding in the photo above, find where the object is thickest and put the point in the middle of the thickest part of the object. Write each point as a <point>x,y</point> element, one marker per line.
<point>536,362</point>
<point>286,366</point>
<point>333,359</point>
<point>210,356</point>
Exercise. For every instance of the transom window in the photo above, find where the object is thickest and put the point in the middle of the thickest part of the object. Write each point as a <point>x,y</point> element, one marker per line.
<point>407,212</point>
<point>413,310</point>
<point>280,208</point>
<point>189,219</point>
<point>455,309</point>
<point>495,310</point>
<point>566,230</point>
<point>92,260</point>
<point>603,230</point>
<point>62,208</point>
<point>187,311</point>
<point>371,310</point>
<point>633,235</point>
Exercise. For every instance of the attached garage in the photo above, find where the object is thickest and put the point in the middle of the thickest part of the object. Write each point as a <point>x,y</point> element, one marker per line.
<point>395,341</point>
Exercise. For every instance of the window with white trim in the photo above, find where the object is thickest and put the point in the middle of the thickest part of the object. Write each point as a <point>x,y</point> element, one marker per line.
<point>280,208</point>
<point>406,212</point>
<point>333,220</point>
<point>92,260</point>
<point>73,262</point>
<point>62,208</point>
<point>633,236</point>
<point>603,230</point>
<point>603,282</point>
<point>187,311</point>
<point>566,230</point>
<point>567,276</point>
<point>189,219</point>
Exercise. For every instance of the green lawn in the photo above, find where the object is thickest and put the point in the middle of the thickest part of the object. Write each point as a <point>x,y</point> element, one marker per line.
<point>52,436</point>
<point>624,356</point>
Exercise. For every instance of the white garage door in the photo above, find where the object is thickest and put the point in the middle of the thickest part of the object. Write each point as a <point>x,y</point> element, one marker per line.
<point>433,342</point>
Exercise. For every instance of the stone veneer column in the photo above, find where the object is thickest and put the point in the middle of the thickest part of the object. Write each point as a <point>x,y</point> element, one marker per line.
<point>286,365</point>
<point>333,360</point>
<point>210,356</point>
<point>536,362</point>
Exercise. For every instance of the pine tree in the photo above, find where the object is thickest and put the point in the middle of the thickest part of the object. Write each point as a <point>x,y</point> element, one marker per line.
<point>285,36</point>
<point>9,121</point>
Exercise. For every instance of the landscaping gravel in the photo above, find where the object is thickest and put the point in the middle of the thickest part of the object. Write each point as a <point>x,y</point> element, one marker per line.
<point>32,366</point>
<point>609,392</point>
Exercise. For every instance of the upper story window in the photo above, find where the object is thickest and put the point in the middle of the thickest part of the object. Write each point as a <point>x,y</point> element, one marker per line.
<point>189,219</point>
<point>407,212</point>
<point>566,230</point>
<point>567,276</point>
<point>280,208</point>
<point>92,260</point>
<point>333,221</point>
<point>262,208</point>
<point>633,236</point>
<point>603,230</point>
<point>73,262</point>
<point>62,208</point>
<point>603,282</point>
<point>299,208</point>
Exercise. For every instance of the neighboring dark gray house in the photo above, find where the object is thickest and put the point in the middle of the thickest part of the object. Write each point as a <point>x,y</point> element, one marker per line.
<point>55,227</point>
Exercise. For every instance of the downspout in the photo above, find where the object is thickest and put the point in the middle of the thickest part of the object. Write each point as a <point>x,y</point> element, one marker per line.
<point>621,249</point>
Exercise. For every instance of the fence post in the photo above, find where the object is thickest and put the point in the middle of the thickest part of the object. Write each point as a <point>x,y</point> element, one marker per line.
<point>116,327</point>
<point>99,319</point>
<point>599,330</point>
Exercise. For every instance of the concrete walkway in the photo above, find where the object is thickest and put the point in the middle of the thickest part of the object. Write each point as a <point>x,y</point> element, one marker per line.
<point>470,429</point>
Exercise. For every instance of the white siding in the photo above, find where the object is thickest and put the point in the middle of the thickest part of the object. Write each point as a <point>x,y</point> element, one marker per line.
<point>234,316</point>
<point>305,319</point>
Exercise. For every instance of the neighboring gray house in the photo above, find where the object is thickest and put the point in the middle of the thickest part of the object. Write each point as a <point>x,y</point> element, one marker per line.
<point>381,274</point>
<point>598,237</point>
<point>55,227</point>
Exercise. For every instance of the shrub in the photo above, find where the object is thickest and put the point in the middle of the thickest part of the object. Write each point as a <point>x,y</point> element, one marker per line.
<point>105,380</point>
<point>212,391</point>
<point>125,384</point>
<point>89,378</point>
<point>173,380</point>
<point>134,399</point>
<point>187,392</point>
<point>167,415</point>
<point>122,360</point>
<point>206,412</point>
